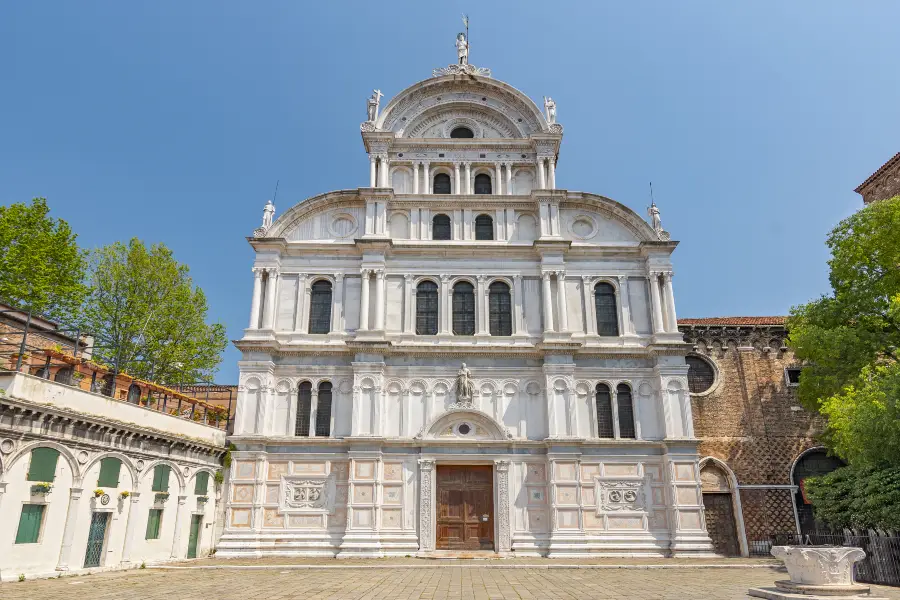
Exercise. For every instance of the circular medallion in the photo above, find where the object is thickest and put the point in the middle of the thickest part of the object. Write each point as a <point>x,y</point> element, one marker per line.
<point>104,499</point>
<point>583,227</point>
<point>186,471</point>
<point>139,465</point>
<point>7,446</point>
<point>343,225</point>
<point>83,457</point>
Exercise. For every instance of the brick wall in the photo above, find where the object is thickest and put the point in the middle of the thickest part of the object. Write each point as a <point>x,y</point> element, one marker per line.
<point>884,183</point>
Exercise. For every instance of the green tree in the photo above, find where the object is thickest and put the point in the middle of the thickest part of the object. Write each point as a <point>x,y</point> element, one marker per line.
<point>41,266</point>
<point>849,340</point>
<point>149,316</point>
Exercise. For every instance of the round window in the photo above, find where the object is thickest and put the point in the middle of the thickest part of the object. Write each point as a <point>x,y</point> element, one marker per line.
<point>701,374</point>
<point>464,429</point>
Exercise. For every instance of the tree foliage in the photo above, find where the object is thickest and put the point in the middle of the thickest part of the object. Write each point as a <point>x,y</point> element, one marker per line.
<point>859,498</point>
<point>41,266</point>
<point>149,317</point>
<point>848,341</point>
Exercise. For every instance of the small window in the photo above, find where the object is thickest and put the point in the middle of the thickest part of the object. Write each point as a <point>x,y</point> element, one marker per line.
<point>154,522</point>
<point>304,409</point>
<point>201,486</point>
<point>134,393</point>
<point>43,464</point>
<point>607,312</point>
<point>626,411</point>
<point>462,132</point>
<point>320,307</point>
<point>500,305</point>
<point>441,184</point>
<point>30,524</point>
<point>701,374</point>
<point>323,410</point>
<point>427,308</point>
<point>484,227</point>
<point>483,184</point>
<point>463,308</point>
<point>109,473</point>
<point>161,478</point>
<point>792,376</point>
<point>604,412</point>
<point>440,227</point>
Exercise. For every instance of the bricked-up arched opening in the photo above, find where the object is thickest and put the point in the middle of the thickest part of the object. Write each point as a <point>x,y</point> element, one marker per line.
<point>721,508</point>
<point>811,463</point>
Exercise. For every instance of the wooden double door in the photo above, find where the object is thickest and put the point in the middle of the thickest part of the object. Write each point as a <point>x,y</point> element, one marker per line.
<point>465,516</point>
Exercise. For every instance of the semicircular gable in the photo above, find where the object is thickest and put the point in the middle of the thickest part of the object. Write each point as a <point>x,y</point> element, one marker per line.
<point>613,221</point>
<point>479,92</point>
<point>487,122</point>
<point>334,215</point>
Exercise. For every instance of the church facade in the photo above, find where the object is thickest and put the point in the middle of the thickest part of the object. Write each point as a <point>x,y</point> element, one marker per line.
<point>463,355</point>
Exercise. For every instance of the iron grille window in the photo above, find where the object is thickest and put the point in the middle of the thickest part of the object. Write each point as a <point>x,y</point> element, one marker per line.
<point>323,410</point>
<point>441,184</point>
<point>626,411</point>
<point>463,309</point>
<point>701,375</point>
<point>500,305</point>
<point>483,184</point>
<point>440,227</point>
<point>304,408</point>
<point>484,227</point>
<point>320,307</point>
<point>607,315</point>
<point>427,308</point>
<point>604,412</point>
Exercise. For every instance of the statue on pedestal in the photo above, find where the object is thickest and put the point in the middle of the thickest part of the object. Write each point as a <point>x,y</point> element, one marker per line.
<point>462,49</point>
<point>372,105</point>
<point>465,386</point>
<point>268,214</point>
<point>550,107</point>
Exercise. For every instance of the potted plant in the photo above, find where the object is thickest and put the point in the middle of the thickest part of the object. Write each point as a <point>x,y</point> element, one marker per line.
<point>41,488</point>
<point>124,494</point>
<point>202,499</point>
<point>98,492</point>
<point>161,497</point>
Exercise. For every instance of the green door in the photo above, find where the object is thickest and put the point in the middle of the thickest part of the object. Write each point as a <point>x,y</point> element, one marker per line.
<point>196,520</point>
<point>96,537</point>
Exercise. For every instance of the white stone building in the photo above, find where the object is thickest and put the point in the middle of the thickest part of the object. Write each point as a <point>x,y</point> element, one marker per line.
<point>360,432</point>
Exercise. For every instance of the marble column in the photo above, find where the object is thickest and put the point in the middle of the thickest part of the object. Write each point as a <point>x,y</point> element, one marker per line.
<point>301,323</point>
<point>547,302</point>
<point>427,169</point>
<point>379,299</point>
<point>509,190</point>
<point>498,179</point>
<point>337,307</point>
<point>444,305</point>
<point>504,534</point>
<point>655,300</point>
<point>625,303</point>
<point>540,173</point>
<point>551,168</point>
<point>409,314</point>
<point>271,294</point>
<point>130,526</point>
<point>372,170</point>
<point>426,505</point>
<point>518,328</point>
<point>481,308</point>
<point>69,528</point>
<point>415,182</point>
<point>364,300</point>
<point>670,303</point>
<point>176,539</point>
<point>468,178</point>
<point>257,294</point>
<point>590,308</point>
<point>561,301</point>
<point>385,172</point>
<point>313,410</point>
<point>456,188</point>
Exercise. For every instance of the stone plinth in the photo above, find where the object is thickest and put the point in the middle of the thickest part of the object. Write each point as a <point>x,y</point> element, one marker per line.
<point>816,572</point>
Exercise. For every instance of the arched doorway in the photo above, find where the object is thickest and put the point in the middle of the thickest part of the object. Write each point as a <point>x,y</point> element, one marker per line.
<point>812,463</point>
<point>721,509</point>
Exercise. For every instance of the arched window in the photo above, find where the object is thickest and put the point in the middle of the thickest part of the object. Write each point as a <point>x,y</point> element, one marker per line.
<point>463,308</point>
<point>604,412</point>
<point>304,408</point>
<point>812,464</point>
<point>440,227</point>
<point>320,307</point>
<point>483,184</point>
<point>441,183</point>
<point>427,308</point>
<point>701,374</point>
<point>484,227</point>
<point>323,410</point>
<point>500,306</point>
<point>626,411</point>
<point>605,304</point>
<point>462,132</point>
<point>134,393</point>
<point>64,375</point>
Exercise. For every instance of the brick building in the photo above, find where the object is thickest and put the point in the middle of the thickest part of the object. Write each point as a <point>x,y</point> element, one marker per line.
<point>756,442</point>
<point>883,183</point>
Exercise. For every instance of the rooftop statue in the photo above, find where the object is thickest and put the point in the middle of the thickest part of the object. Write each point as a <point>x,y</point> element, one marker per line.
<point>462,49</point>
<point>268,214</point>
<point>372,104</point>
<point>550,107</point>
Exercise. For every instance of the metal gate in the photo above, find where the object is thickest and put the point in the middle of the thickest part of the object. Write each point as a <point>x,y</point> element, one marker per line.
<point>196,521</point>
<point>96,537</point>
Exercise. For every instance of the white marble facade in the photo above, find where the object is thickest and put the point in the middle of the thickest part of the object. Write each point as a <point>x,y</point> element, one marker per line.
<point>344,416</point>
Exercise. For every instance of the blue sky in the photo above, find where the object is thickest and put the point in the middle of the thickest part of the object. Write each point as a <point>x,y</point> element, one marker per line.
<point>171,121</point>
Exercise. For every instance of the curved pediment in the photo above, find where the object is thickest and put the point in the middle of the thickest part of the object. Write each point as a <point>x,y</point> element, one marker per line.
<point>464,423</point>
<point>439,121</point>
<point>337,216</point>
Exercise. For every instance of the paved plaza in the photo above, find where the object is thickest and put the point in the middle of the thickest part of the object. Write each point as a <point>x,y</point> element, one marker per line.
<point>408,581</point>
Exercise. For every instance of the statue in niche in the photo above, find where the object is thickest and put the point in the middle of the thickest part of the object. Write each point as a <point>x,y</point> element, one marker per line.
<point>550,107</point>
<point>268,214</point>
<point>465,386</point>
<point>462,49</point>
<point>372,105</point>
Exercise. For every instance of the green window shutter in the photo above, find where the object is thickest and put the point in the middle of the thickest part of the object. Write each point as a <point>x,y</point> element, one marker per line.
<point>153,522</point>
<point>109,473</point>
<point>30,523</point>
<point>161,478</point>
<point>43,464</point>
<point>202,483</point>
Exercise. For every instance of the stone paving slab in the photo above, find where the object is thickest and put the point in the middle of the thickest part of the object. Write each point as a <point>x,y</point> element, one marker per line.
<point>439,583</point>
<point>277,561</point>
